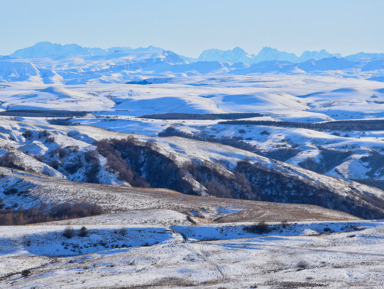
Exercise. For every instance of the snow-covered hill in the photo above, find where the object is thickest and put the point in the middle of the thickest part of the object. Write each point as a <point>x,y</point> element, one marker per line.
<point>349,153</point>
<point>193,167</point>
<point>17,71</point>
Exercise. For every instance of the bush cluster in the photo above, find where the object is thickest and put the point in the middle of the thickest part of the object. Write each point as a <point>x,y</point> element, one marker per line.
<point>44,213</point>
<point>260,228</point>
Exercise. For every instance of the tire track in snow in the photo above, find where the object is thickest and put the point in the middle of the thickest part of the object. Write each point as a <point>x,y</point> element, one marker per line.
<point>203,256</point>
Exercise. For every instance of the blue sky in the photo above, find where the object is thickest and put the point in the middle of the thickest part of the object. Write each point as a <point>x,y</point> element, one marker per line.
<point>190,26</point>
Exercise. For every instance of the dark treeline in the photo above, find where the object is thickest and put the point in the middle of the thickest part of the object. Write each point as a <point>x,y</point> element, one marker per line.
<point>44,113</point>
<point>196,116</point>
<point>142,165</point>
<point>273,186</point>
<point>44,213</point>
<point>234,142</point>
<point>342,125</point>
<point>62,121</point>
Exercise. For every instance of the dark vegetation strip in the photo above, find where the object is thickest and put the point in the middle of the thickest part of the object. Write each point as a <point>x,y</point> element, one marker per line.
<point>141,164</point>
<point>201,116</point>
<point>45,213</point>
<point>274,186</point>
<point>342,125</point>
<point>44,113</point>
<point>62,121</point>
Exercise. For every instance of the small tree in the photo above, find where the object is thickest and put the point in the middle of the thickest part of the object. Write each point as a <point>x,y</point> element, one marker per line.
<point>83,232</point>
<point>25,273</point>
<point>68,233</point>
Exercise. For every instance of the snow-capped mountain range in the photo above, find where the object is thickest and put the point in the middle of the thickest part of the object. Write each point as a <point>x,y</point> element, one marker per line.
<point>70,64</point>
<point>237,54</point>
<point>266,54</point>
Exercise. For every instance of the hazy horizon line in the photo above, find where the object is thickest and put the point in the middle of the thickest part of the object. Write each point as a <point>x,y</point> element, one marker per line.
<point>186,55</point>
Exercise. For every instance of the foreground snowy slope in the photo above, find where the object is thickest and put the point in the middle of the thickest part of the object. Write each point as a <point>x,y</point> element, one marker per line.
<point>332,255</point>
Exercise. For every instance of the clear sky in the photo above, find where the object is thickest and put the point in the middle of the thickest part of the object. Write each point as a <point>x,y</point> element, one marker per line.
<point>190,26</point>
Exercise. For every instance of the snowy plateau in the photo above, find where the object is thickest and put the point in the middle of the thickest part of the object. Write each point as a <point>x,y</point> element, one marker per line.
<point>142,168</point>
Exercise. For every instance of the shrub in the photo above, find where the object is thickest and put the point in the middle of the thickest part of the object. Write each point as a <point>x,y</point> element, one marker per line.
<point>39,158</point>
<point>27,134</point>
<point>25,273</point>
<point>55,164</point>
<point>91,157</point>
<point>260,228</point>
<point>301,265</point>
<point>327,230</point>
<point>10,160</point>
<point>284,224</point>
<point>83,232</point>
<point>68,233</point>
<point>50,139</point>
<point>122,231</point>
<point>43,134</point>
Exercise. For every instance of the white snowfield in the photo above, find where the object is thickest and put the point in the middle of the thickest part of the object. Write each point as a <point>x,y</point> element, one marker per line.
<point>306,98</point>
<point>304,255</point>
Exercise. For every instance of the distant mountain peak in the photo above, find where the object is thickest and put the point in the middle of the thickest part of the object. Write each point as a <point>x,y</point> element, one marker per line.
<point>272,54</point>
<point>47,49</point>
<point>307,55</point>
<point>267,53</point>
<point>237,54</point>
<point>238,49</point>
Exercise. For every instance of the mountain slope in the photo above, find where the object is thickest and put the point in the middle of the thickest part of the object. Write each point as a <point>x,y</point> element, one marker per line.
<point>31,190</point>
<point>17,70</point>
<point>307,55</point>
